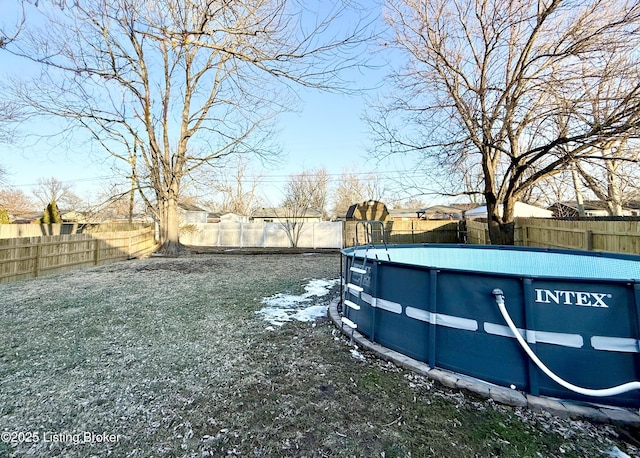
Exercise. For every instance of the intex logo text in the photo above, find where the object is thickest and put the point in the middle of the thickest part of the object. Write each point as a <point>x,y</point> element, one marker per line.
<point>581,298</point>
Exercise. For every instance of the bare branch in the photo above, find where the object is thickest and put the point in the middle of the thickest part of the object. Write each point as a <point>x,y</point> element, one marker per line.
<point>513,92</point>
<point>168,87</point>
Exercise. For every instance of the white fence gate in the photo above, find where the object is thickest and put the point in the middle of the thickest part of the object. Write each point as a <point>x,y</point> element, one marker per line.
<point>322,234</point>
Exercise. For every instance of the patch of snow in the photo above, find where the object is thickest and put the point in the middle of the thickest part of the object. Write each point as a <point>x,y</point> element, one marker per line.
<point>281,308</point>
<point>615,452</point>
<point>311,313</point>
<point>357,355</point>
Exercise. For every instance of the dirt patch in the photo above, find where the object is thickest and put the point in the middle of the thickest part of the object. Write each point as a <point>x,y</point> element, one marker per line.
<point>184,265</point>
<point>169,357</point>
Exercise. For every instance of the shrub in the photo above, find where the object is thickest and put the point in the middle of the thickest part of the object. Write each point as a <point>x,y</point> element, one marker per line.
<point>4,216</point>
<point>51,214</point>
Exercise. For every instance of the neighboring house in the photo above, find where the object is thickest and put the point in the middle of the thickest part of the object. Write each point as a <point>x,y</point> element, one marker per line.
<point>213,217</point>
<point>439,212</point>
<point>369,210</point>
<point>233,218</point>
<point>592,208</point>
<point>405,214</point>
<point>72,216</point>
<point>282,215</point>
<point>633,207</point>
<point>521,210</point>
<point>26,218</point>
<point>190,214</point>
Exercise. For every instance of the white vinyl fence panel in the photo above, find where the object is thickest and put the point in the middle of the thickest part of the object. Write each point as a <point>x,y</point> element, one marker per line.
<point>324,234</point>
<point>266,235</point>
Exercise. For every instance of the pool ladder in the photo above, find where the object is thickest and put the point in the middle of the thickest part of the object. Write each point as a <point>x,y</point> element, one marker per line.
<point>361,270</point>
<point>356,289</point>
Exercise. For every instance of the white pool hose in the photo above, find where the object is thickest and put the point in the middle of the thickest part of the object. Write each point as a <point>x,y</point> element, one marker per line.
<point>499,295</point>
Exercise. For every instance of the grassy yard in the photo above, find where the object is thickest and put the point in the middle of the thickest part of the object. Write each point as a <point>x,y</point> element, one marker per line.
<point>168,358</point>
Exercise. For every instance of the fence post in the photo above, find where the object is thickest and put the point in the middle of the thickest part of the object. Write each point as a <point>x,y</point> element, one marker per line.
<point>413,234</point>
<point>588,240</point>
<point>96,251</point>
<point>344,234</point>
<point>524,230</point>
<point>36,267</point>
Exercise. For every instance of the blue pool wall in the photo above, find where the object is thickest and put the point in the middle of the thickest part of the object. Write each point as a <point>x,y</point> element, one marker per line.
<point>434,303</point>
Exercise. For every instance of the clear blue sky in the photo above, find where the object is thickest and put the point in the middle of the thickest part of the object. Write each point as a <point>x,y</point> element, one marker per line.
<point>328,132</point>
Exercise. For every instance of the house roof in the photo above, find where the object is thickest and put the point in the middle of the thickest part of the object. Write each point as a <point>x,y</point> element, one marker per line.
<point>190,207</point>
<point>520,210</point>
<point>442,209</point>
<point>405,212</point>
<point>588,204</point>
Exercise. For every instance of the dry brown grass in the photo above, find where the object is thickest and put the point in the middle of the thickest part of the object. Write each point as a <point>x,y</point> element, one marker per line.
<point>170,356</point>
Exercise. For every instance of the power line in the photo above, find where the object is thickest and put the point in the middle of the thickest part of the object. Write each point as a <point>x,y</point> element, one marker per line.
<point>268,178</point>
<point>366,176</point>
<point>71,181</point>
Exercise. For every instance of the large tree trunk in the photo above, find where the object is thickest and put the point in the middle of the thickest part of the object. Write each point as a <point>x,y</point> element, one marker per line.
<point>170,226</point>
<point>501,227</point>
<point>501,233</point>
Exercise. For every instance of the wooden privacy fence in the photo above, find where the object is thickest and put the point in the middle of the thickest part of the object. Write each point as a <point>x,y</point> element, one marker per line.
<point>407,232</point>
<point>29,257</point>
<point>10,231</point>
<point>477,232</point>
<point>615,236</point>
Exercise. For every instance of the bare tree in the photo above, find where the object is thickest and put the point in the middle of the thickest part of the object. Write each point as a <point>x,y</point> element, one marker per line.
<point>116,201</point>
<point>304,193</point>
<point>9,115</point>
<point>354,188</point>
<point>16,202</point>
<point>413,203</point>
<point>308,189</point>
<point>556,188</point>
<point>10,112</point>
<point>168,86</point>
<point>613,178</point>
<point>485,83</point>
<point>238,187</point>
<point>608,166</point>
<point>52,190</point>
<point>9,32</point>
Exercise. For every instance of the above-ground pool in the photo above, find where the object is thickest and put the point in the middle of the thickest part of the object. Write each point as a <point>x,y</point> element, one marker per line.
<point>548,322</point>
